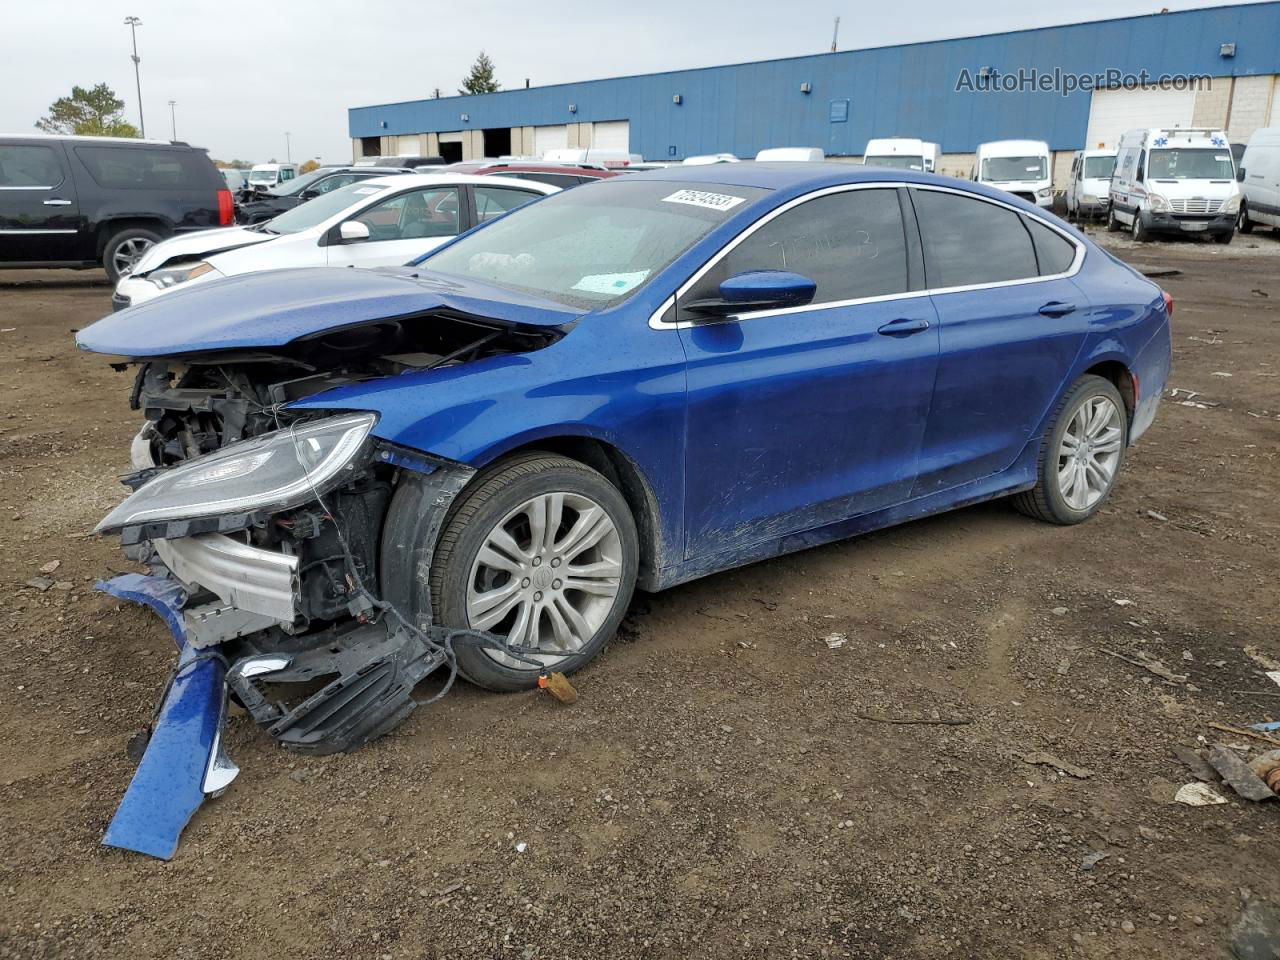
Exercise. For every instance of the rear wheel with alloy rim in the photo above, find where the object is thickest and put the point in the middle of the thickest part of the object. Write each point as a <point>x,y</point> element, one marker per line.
<point>541,551</point>
<point>1080,456</point>
<point>1139,229</point>
<point>124,249</point>
<point>1113,225</point>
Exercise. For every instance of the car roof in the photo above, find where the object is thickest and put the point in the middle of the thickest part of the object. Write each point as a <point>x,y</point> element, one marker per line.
<point>427,179</point>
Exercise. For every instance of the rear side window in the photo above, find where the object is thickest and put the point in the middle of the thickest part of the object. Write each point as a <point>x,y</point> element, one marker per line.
<point>1054,252</point>
<point>969,241</point>
<point>495,201</point>
<point>141,168</point>
<point>23,165</point>
<point>554,179</point>
<point>851,244</point>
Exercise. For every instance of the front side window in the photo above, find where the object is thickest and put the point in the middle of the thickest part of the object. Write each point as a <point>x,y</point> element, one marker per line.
<point>969,241</point>
<point>1190,164</point>
<point>312,214</point>
<point>1008,169</point>
<point>495,201</point>
<point>133,167</point>
<point>413,215</point>
<point>851,244</point>
<point>591,248</point>
<point>23,165</point>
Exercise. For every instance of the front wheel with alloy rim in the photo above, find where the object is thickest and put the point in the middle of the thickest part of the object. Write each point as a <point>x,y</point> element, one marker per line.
<point>542,551</point>
<point>1080,455</point>
<point>124,249</point>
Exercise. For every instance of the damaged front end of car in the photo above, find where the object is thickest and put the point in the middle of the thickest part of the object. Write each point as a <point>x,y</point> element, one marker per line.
<point>261,527</point>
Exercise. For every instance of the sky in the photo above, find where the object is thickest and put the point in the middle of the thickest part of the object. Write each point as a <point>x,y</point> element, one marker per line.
<point>242,74</point>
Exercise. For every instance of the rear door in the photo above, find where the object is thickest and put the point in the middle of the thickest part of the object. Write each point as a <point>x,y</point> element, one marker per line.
<point>401,227</point>
<point>39,211</point>
<point>804,416</point>
<point>1012,323</point>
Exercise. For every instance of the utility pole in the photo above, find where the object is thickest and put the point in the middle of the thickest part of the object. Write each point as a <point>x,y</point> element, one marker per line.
<point>173,119</point>
<point>835,35</point>
<point>133,23</point>
<point>288,156</point>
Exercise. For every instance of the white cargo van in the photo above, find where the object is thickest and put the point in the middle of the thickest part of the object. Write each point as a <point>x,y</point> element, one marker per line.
<point>902,153</point>
<point>1260,178</point>
<point>791,154</point>
<point>1021,167</point>
<point>264,176</point>
<point>1089,189</point>
<point>1174,181</point>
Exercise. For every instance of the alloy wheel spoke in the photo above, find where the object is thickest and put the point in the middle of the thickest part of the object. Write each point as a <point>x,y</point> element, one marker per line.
<point>486,609</point>
<point>590,528</point>
<point>602,588</point>
<point>489,557</point>
<point>602,568</point>
<point>580,631</point>
<point>524,632</point>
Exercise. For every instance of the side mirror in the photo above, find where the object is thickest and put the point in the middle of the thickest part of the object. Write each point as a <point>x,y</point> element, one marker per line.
<point>308,194</point>
<point>353,231</point>
<point>1240,175</point>
<point>757,290</point>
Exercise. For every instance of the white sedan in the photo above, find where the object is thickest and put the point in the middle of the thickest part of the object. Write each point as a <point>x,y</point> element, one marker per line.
<point>379,222</point>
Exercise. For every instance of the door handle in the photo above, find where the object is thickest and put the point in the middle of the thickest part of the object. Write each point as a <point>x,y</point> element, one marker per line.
<point>57,203</point>
<point>903,327</point>
<point>1056,308</point>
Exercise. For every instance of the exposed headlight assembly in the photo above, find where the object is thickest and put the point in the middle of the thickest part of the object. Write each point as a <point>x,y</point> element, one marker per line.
<point>172,276</point>
<point>1156,203</point>
<point>1045,193</point>
<point>278,470</point>
<point>1232,205</point>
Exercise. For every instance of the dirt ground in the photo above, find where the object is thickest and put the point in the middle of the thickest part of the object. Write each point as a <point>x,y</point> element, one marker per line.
<point>725,786</point>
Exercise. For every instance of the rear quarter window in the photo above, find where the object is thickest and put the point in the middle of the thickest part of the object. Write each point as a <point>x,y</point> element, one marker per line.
<point>145,169</point>
<point>1054,252</point>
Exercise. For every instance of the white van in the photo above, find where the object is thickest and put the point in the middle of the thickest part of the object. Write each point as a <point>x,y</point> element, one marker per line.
<point>264,176</point>
<point>1260,177</point>
<point>1175,181</point>
<point>1022,167</point>
<point>1089,189</point>
<point>902,153</point>
<point>602,155</point>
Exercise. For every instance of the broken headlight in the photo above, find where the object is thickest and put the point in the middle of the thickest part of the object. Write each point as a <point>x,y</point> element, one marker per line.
<point>172,276</point>
<point>279,470</point>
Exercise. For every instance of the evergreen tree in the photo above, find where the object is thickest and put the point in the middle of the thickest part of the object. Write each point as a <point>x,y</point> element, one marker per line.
<point>480,80</point>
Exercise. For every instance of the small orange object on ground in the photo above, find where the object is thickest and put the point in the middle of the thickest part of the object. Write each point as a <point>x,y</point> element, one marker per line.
<point>558,685</point>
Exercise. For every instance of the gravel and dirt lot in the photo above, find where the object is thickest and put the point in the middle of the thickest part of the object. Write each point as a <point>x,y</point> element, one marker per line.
<point>728,784</point>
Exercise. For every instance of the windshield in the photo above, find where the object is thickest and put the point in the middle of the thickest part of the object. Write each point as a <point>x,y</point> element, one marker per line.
<point>1193,164</point>
<point>1004,169</point>
<point>263,176</point>
<point>594,245</point>
<point>1099,168</point>
<point>317,211</point>
<point>292,187</point>
<point>896,161</point>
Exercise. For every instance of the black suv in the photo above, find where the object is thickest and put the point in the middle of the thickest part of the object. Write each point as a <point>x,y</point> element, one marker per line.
<point>85,201</point>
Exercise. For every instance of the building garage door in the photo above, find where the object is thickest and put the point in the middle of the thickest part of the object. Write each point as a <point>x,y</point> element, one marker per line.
<point>611,135</point>
<point>409,146</point>
<point>550,138</point>
<point>1112,112</point>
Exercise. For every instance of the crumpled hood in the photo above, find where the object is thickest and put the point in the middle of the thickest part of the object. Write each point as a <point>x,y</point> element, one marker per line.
<point>260,311</point>
<point>203,243</point>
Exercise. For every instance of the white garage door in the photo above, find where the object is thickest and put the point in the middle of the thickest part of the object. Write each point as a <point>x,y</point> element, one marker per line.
<point>611,135</point>
<point>409,146</point>
<point>1274,121</point>
<point>1112,112</point>
<point>550,138</point>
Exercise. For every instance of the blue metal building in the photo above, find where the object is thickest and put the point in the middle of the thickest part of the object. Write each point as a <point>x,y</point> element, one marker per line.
<point>837,101</point>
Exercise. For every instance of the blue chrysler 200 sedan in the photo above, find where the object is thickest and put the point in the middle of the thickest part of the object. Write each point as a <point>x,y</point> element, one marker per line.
<point>471,461</point>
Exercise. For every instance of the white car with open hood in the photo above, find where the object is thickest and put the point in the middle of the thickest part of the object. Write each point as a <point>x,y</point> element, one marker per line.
<point>381,222</point>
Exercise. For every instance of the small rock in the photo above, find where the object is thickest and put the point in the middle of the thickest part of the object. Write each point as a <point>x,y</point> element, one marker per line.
<point>1092,860</point>
<point>1127,926</point>
<point>1150,833</point>
<point>40,583</point>
<point>63,585</point>
<point>300,775</point>
<point>1198,795</point>
<point>1059,611</point>
<point>1195,764</point>
<point>835,641</point>
<point>1237,773</point>
<point>1121,602</point>
<point>1157,516</point>
<point>1256,934</point>
<point>51,566</point>
<point>521,847</point>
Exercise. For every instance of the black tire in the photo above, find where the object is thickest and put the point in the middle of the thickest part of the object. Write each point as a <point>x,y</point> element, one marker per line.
<point>1246,225</point>
<point>1113,225</point>
<point>131,239</point>
<point>1139,230</point>
<point>1045,500</point>
<point>1225,237</point>
<point>489,498</point>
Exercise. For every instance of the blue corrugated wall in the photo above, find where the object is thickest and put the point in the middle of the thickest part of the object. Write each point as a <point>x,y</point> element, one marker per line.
<point>904,90</point>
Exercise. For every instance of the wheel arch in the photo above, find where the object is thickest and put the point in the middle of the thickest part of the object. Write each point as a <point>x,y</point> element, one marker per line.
<point>1121,377</point>
<point>110,227</point>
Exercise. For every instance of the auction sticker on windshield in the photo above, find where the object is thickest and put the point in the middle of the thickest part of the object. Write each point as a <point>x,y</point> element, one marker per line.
<point>701,198</point>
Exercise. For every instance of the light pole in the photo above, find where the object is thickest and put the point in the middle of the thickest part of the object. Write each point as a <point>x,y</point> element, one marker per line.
<point>173,119</point>
<point>133,23</point>
<point>288,156</point>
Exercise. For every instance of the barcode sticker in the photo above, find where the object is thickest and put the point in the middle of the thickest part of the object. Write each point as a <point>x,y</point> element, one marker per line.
<point>701,198</point>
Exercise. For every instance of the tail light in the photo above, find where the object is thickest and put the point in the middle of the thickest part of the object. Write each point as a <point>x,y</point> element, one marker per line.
<point>1168,303</point>
<point>227,213</point>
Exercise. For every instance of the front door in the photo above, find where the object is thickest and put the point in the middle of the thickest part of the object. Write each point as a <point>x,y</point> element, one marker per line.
<point>803,416</point>
<point>1011,326</point>
<point>39,214</point>
<point>401,227</point>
